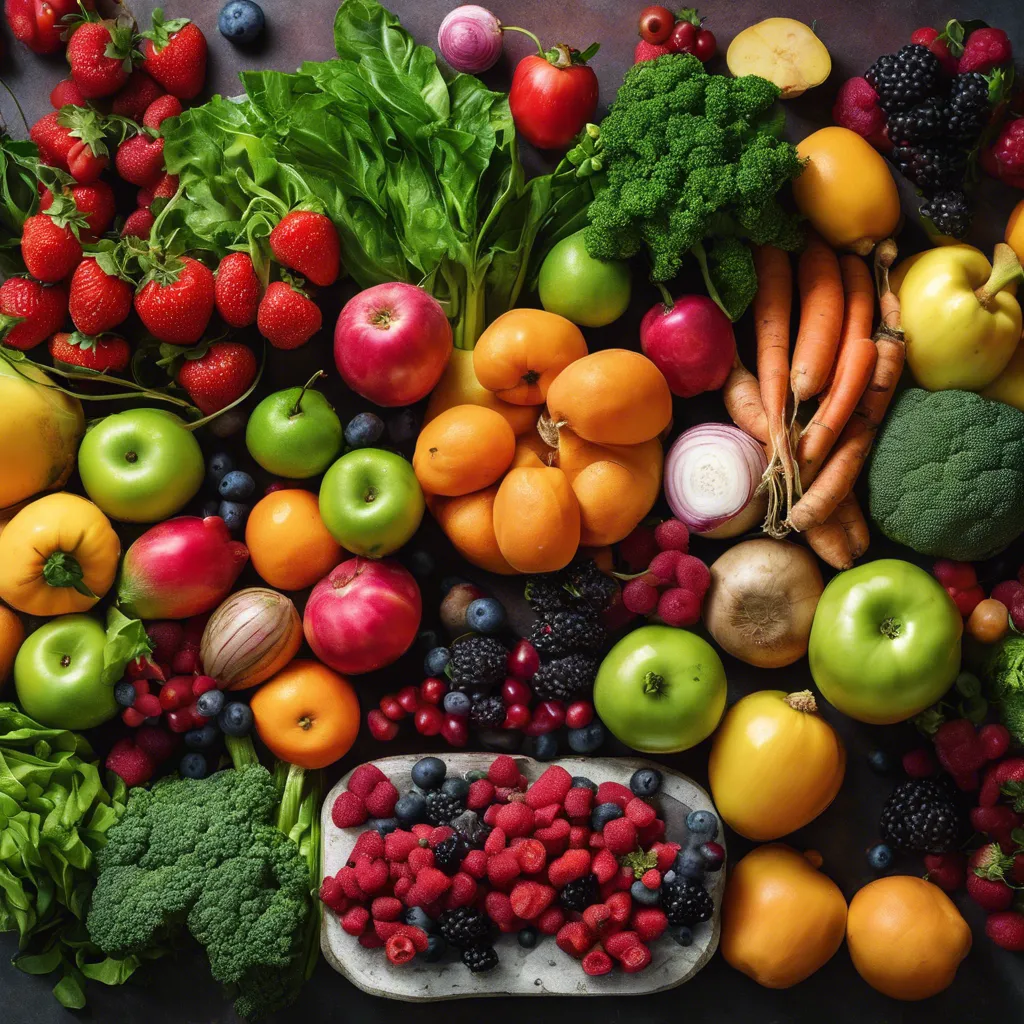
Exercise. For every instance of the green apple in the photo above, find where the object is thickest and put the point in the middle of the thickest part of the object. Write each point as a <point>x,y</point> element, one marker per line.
<point>661,689</point>
<point>141,466</point>
<point>294,433</point>
<point>585,290</point>
<point>58,674</point>
<point>371,502</point>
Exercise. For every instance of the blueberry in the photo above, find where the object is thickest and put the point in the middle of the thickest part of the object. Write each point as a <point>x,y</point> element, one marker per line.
<point>485,615</point>
<point>241,21</point>
<point>669,876</point>
<point>545,747</point>
<point>211,703</point>
<point>236,486</point>
<point>527,937</point>
<point>644,896</point>
<point>880,762</point>
<point>403,426</point>
<point>645,782</point>
<point>411,809</point>
<point>682,934</point>
<point>690,864</point>
<point>218,467</point>
<point>450,581</point>
<point>229,423</point>
<point>602,814</point>
<point>202,738</point>
<point>124,693</point>
<point>588,739</point>
<point>234,514</point>
<point>436,661</point>
<point>236,719</point>
<point>193,766</point>
<point>880,857</point>
<point>436,948</point>
<point>385,826</point>
<point>363,430</point>
<point>456,788</point>
<point>421,563</point>
<point>702,823</point>
<point>456,703</point>
<point>417,917</point>
<point>582,782</point>
<point>429,772</point>
<point>210,508</point>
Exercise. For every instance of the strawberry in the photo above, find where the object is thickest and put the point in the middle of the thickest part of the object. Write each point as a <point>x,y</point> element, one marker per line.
<point>237,293</point>
<point>95,201</point>
<point>53,140</point>
<point>39,24</point>
<point>100,53</point>
<point>135,98</point>
<point>218,377</point>
<point>30,312</point>
<point>287,317</point>
<point>138,224</point>
<point>133,764</point>
<point>986,883</point>
<point>307,242</point>
<point>160,109</point>
<point>984,50</point>
<point>165,188</point>
<point>175,301</point>
<point>1006,930</point>
<point>66,94</point>
<point>72,139</point>
<point>946,870</point>
<point>99,299</point>
<point>140,159</point>
<point>49,241</point>
<point>108,354</point>
<point>174,53</point>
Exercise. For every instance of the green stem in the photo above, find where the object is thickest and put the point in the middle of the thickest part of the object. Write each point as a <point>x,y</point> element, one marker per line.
<point>241,751</point>
<point>473,320</point>
<point>526,32</point>
<point>666,295</point>
<point>702,259</point>
<point>1006,270</point>
<point>291,799</point>
<point>297,408</point>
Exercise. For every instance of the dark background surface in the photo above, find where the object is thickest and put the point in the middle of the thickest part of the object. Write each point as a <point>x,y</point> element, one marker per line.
<point>990,984</point>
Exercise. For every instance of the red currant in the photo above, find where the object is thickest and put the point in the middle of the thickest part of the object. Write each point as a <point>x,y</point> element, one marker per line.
<point>515,691</point>
<point>409,698</point>
<point>428,720</point>
<point>381,728</point>
<point>517,716</point>
<point>179,720</point>
<point>201,684</point>
<point>682,40</point>
<point>705,46</point>
<point>656,23</point>
<point>523,660</point>
<point>547,717</point>
<point>148,705</point>
<point>141,686</point>
<point>455,730</point>
<point>391,709</point>
<point>967,600</point>
<point>578,714</point>
<point>132,718</point>
<point>432,690</point>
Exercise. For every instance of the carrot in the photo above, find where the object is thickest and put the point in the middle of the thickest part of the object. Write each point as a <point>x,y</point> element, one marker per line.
<point>743,403</point>
<point>821,318</point>
<point>851,517</point>
<point>843,537</point>
<point>858,308</point>
<point>853,372</point>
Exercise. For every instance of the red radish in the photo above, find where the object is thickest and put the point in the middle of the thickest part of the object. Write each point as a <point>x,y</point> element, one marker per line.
<point>683,38</point>
<point>691,341</point>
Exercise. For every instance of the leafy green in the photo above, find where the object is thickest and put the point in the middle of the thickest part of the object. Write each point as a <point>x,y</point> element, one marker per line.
<point>126,641</point>
<point>19,199</point>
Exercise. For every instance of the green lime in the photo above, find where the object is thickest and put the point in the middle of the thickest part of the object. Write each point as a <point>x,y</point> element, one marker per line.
<point>589,292</point>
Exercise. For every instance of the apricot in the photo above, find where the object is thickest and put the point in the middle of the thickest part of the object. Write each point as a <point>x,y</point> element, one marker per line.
<point>532,450</point>
<point>468,522</point>
<point>462,450</point>
<point>537,519</point>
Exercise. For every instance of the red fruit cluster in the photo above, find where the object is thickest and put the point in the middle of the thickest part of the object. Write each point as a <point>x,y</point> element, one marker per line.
<point>423,704</point>
<point>960,581</point>
<point>662,32</point>
<point>1011,593</point>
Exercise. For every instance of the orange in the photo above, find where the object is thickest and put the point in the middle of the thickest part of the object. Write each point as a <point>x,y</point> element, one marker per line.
<point>288,543</point>
<point>307,715</point>
<point>12,632</point>
<point>906,937</point>
<point>1015,231</point>
<point>462,450</point>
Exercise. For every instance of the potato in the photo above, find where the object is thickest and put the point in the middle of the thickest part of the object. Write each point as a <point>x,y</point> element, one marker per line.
<point>784,51</point>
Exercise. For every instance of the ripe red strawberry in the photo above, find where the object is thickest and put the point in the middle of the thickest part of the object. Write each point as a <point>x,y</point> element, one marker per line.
<point>140,159</point>
<point>66,94</point>
<point>49,241</point>
<point>53,139</point>
<point>138,224</point>
<point>72,139</point>
<point>100,53</point>
<point>30,312</point>
<point>135,98</point>
<point>96,201</point>
<point>39,24</point>
<point>99,300</point>
<point>946,870</point>
<point>174,53</point>
<point>1006,930</point>
<point>308,243</point>
<point>1004,159</point>
<point>176,302</point>
<point>131,763</point>
<point>986,883</point>
<point>287,317</point>
<point>165,188</point>
<point>108,354</point>
<point>161,109</point>
<point>237,290</point>
<point>985,50</point>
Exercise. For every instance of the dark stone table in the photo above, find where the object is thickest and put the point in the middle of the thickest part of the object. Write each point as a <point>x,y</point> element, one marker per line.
<point>990,984</point>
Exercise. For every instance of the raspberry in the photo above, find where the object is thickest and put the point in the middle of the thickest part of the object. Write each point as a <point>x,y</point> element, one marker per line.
<point>438,835</point>
<point>598,918</point>
<point>430,885</point>
<point>946,870</point>
<point>402,887</point>
<point>638,548</point>
<point>515,819</point>
<point>575,938</point>
<point>399,950</point>
<point>348,810</point>
<point>639,597</point>
<point>954,575</point>
<point>498,907</point>
<point>382,799</point>
<point>635,958</point>
<point>422,830</point>
<point>1005,591</point>
<point>597,961</point>
<point>919,763</point>
<point>399,844</point>
<point>544,817</point>
<point>354,921</point>
<point>398,870</point>
<point>364,778</point>
<point>621,906</point>
<point>994,740</point>
<point>617,945</point>
<point>387,930</point>
<point>550,788</point>
<point>372,875</point>
<point>550,921</point>
<point>620,836</point>
<point>663,566</point>
<point>604,866</point>
<point>531,856</point>
<point>579,837</point>
<point>651,879</point>
<point>368,844</point>
<point>332,895</point>
<point>502,868</point>
<point>530,899</point>
<point>572,865</point>
<point>475,864</point>
<point>503,771</point>
<point>579,802</point>
<point>640,813</point>
<point>462,892</point>
<point>648,51</point>
<point>133,764</point>
<point>491,815</point>
<point>666,854</point>
<point>369,940</point>
<point>481,793</point>
<point>856,107</point>
<point>649,923</point>
<point>495,842</point>
<point>930,38</point>
<point>672,535</point>
<point>613,793</point>
<point>386,908</point>
<point>651,834</point>
<point>596,841</point>
<point>420,858</point>
<point>985,50</point>
<point>957,747</point>
<point>679,607</point>
<point>555,838</point>
<point>693,575</point>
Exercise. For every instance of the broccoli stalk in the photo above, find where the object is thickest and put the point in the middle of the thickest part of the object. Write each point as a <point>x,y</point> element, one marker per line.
<point>1006,684</point>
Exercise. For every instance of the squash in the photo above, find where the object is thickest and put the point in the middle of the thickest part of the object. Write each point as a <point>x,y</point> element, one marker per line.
<point>775,764</point>
<point>462,450</point>
<point>784,51</point>
<point>846,190</point>
<point>782,919</point>
<point>58,556</point>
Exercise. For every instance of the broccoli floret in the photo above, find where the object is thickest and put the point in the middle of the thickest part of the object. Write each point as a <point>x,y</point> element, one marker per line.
<point>693,158</point>
<point>1005,677</point>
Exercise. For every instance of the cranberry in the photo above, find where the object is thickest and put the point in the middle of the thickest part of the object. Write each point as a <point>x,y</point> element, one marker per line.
<point>409,698</point>
<point>432,690</point>
<point>547,717</point>
<point>381,728</point>
<point>955,575</point>
<point>198,718</point>
<point>455,730</point>
<point>132,718</point>
<point>578,714</point>
<point>141,686</point>
<point>428,721</point>
<point>391,708</point>
<point>179,720</point>
<point>705,46</point>
<point>682,40</point>
<point>523,660</point>
<point>201,684</point>
<point>148,705</point>
<point>656,23</point>
<point>516,716</point>
<point>186,661</point>
<point>515,691</point>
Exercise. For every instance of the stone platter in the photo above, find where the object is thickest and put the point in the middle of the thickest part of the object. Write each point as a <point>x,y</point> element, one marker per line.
<point>544,970</point>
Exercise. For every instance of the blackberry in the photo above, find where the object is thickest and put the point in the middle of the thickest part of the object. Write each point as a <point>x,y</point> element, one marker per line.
<point>588,586</point>
<point>479,958</point>
<point>564,678</point>
<point>580,894</point>
<point>441,808</point>
<point>568,632</point>
<point>488,713</point>
<point>967,111</point>
<point>933,166</point>
<point>904,79</point>
<point>920,815</point>
<point>949,212</point>
<point>464,927</point>
<point>922,123</point>
<point>477,662</point>
<point>448,854</point>
<point>686,902</point>
<point>546,593</point>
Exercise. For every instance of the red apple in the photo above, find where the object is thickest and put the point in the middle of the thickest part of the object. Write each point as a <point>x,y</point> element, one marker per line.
<point>691,342</point>
<point>363,615</point>
<point>392,343</point>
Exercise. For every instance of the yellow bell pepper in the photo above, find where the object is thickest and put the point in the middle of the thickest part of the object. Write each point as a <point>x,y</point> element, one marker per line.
<point>961,318</point>
<point>58,555</point>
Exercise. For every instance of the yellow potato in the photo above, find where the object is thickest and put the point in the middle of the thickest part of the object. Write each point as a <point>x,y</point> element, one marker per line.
<point>784,51</point>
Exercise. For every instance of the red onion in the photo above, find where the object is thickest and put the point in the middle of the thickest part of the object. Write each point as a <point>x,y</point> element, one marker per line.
<point>470,39</point>
<point>711,474</point>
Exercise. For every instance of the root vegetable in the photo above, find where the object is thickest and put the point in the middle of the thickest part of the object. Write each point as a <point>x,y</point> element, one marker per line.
<point>784,51</point>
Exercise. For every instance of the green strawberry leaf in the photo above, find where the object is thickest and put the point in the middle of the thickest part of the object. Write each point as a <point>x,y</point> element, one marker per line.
<point>86,124</point>
<point>640,862</point>
<point>1015,791</point>
<point>1017,836</point>
<point>122,43</point>
<point>83,341</point>
<point>64,213</point>
<point>162,30</point>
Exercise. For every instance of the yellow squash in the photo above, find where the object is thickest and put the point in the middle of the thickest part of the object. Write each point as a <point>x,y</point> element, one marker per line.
<point>775,764</point>
<point>961,318</point>
<point>58,555</point>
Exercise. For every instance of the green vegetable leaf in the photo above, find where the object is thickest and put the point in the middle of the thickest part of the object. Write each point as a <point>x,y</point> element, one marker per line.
<point>1015,791</point>
<point>63,570</point>
<point>126,641</point>
<point>639,862</point>
<point>40,963</point>
<point>69,992</point>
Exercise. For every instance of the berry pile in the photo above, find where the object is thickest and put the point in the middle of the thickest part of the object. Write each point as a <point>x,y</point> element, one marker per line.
<point>674,583</point>
<point>454,862</point>
<point>662,31</point>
